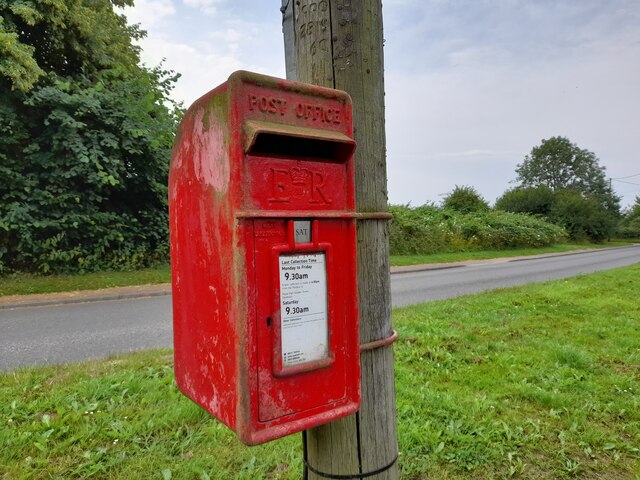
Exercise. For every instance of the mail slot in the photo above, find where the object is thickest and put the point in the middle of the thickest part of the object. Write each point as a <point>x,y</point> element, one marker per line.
<point>263,252</point>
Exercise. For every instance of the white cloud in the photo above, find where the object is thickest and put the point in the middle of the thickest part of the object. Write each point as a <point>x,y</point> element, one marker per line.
<point>150,13</point>
<point>206,6</point>
<point>235,36</point>
<point>203,66</point>
<point>205,54</point>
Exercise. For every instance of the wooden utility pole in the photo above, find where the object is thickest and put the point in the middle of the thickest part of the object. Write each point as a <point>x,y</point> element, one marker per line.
<point>338,44</point>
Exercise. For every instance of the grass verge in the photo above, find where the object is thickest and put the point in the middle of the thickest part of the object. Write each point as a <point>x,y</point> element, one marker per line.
<point>24,284</point>
<point>537,382</point>
<point>402,260</point>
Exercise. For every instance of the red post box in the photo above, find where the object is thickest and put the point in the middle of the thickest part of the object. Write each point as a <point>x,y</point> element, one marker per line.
<point>263,252</point>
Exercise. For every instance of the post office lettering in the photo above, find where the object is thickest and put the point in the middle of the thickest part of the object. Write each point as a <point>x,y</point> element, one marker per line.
<point>268,104</point>
<point>318,113</point>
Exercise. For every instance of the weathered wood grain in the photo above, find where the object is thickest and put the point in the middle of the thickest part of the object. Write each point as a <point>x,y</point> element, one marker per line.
<point>339,44</point>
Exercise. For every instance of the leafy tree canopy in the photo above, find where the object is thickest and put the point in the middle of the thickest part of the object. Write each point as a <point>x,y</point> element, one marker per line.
<point>85,138</point>
<point>67,37</point>
<point>559,164</point>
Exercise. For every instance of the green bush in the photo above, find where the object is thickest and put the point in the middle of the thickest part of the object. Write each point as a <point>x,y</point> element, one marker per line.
<point>465,199</point>
<point>629,226</point>
<point>87,191</point>
<point>584,216</point>
<point>535,200</point>
<point>428,229</point>
<point>85,141</point>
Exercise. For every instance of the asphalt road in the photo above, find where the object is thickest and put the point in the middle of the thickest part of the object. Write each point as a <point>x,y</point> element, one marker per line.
<point>416,287</point>
<point>71,333</point>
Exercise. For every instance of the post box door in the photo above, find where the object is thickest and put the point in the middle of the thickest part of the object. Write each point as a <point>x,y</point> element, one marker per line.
<point>301,318</point>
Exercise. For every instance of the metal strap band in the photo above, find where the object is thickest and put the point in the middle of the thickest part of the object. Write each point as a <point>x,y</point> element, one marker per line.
<point>336,476</point>
<point>379,343</point>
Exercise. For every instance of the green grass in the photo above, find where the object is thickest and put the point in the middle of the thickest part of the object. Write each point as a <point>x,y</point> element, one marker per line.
<point>536,382</point>
<point>23,284</point>
<point>541,381</point>
<point>402,260</point>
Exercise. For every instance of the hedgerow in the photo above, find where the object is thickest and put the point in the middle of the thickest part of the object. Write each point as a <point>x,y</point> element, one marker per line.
<point>428,229</point>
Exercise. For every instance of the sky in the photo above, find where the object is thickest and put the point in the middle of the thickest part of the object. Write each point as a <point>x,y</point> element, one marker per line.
<point>471,85</point>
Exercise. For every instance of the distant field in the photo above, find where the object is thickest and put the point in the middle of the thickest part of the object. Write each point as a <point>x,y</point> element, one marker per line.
<point>536,382</point>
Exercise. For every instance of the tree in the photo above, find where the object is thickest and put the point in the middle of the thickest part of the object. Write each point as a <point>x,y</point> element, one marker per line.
<point>85,139</point>
<point>465,199</point>
<point>64,37</point>
<point>572,178</point>
<point>557,163</point>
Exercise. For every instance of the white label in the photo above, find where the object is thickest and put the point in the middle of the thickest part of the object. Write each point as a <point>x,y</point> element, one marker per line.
<point>303,307</point>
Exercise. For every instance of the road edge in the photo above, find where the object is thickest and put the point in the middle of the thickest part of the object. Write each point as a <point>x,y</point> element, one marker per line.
<point>163,289</point>
<point>84,296</point>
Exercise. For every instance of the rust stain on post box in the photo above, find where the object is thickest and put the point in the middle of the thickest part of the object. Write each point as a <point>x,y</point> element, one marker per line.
<point>261,203</point>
